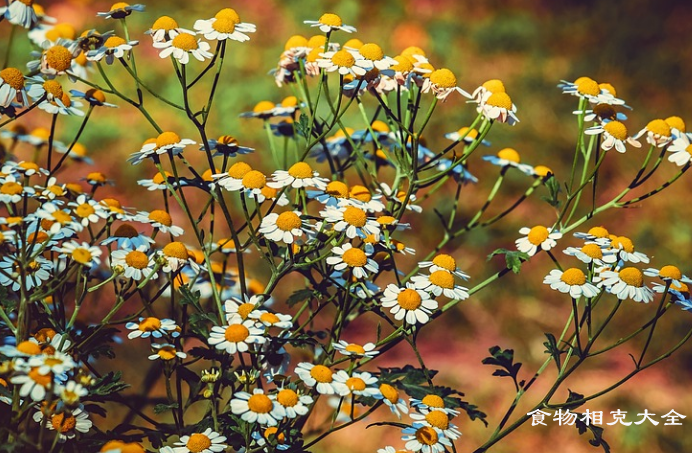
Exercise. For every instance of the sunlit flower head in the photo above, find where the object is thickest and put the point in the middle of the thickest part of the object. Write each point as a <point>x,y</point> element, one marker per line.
<point>626,251</point>
<point>408,303</point>
<point>159,219</point>
<point>224,25</point>
<point>207,441</point>
<point>360,384</point>
<point>227,145</point>
<point>355,350</point>
<point>681,150</point>
<point>84,254</point>
<point>329,22</point>
<point>390,396</point>
<point>152,327</point>
<point>537,237</point>
<point>67,423</point>
<point>12,88</point>
<point>112,48</point>
<point>425,439</point>
<point>120,10</point>
<point>127,237</point>
<point>257,407</point>
<point>593,252</point>
<point>444,262</point>
<point>299,175</point>
<point>625,283</point>
<point>237,336</point>
<point>341,61</point>
<point>351,219</point>
<point>658,133</point>
<point>571,281</point>
<point>499,107</point>
<point>668,273</point>
<point>321,378</point>
<point>166,352</point>
<point>284,227</point>
<point>353,260</point>
<point>135,264</point>
<point>165,28</point>
<point>182,46</point>
<point>439,421</point>
<point>614,136</point>
<point>440,282</point>
<point>442,82</point>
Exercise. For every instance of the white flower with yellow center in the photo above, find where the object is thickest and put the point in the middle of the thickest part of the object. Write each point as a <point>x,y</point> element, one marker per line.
<point>67,423</point>
<point>251,184</point>
<point>268,319</point>
<point>152,327</point>
<point>71,392</point>
<point>390,397</point>
<point>226,145</point>
<point>165,28</point>
<point>136,264</point>
<point>159,181</point>
<point>371,55</point>
<point>159,219</point>
<point>166,352</point>
<point>11,191</point>
<point>352,220</point>
<point>442,83</point>
<point>87,210</point>
<point>658,133</point>
<point>668,273</point>
<point>439,421</point>
<point>284,227</point>
<point>321,378</point>
<point>341,61</point>
<point>440,282</point>
<point>205,442</point>
<point>593,252</point>
<point>12,88</point>
<point>409,304</point>
<point>33,384</point>
<point>224,25</point>
<point>329,22</point>
<point>360,384</point>
<point>112,48</point>
<point>177,256</point>
<point>235,308</point>
<point>425,439</point>
<point>625,249</point>
<point>182,46</point>
<point>56,362</point>
<point>432,402</point>
<point>597,234</point>
<point>626,283</point>
<point>499,107</point>
<point>487,89</point>
<point>293,403</point>
<point>237,336</point>
<point>36,271</point>
<point>85,254</point>
<point>257,408</point>
<point>127,237</point>
<point>681,150</point>
<point>52,189</point>
<point>299,175</point>
<point>444,262</point>
<point>355,350</point>
<point>232,180</point>
<point>571,281</point>
<point>466,135</point>
<point>538,236</point>
<point>120,10</point>
<point>335,193</point>
<point>167,142</point>
<point>355,260</point>
<point>509,157</point>
<point>614,135</point>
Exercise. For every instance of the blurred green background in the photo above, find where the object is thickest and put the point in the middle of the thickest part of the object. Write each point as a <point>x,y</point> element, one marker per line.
<point>641,47</point>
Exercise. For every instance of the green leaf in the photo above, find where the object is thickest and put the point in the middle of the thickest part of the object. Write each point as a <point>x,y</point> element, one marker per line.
<point>189,298</point>
<point>199,321</point>
<point>513,258</point>
<point>552,349</point>
<point>299,296</point>
<point>504,359</point>
<point>554,190</point>
<point>596,431</point>
<point>107,384</point>
<point>161,408</point>
<point>303,125</point>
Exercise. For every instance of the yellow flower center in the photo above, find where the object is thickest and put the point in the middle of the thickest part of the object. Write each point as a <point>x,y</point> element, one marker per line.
<point>82,255</point>
<point>300,170</point>
<point>167,138</point>
<point>176,250</point>
<point>343,58</point>
<point>593,251</point>
<point>13,77</point>
<point>354,257</point>
<point>54,88</point>
<point>433,401</point>
<point>11,188</point>
<point>623,243</point>
<point>403,64</point>
<point>494,86</point>
<point>165,23</point>
<point>62,217</point>
<point>330,19</point>
<point>538,234</point>
<point>443,279</point>
<point>223,25</point>
<point>137,259</point>
<point>681,287</point>
<point>28,347</point>
<point>355,383</point>
<point>542,171</point>
<point>119,5</point>
<point>390,393</point>
<point>509,154</point>
<point>160,216</point>
<point>355,348</point>
<point>321,374</point>
<point>63,424</point>
<point>288,221</point>
<point>44,380</point>
<point>587,87</point>
<point>360,193</point>
<point>409,299</point>
<point>609,87</point>
<point>296,41</point>
<point>371,51</point>
<point>676,122</point>
<point>198,442</point>
<point>337,189</point>
<point>239,170</point>
<point>659,127</point>
<point>185,41</point>
<point>670,271</point>
<point>443,78</point>
<point>598,232</point>
<point>58,58</point>
<point>437,419</point>
<point>287,397</point>
<point>160,178</point>
<point>616,129</point>
<point>228,14</point>
<point>445,262</point>
<point>166,353</point>
<point>426,435</point>
<point>124,231</point>
<point>66,31</point>
<point>573,277</point>
<point>150,324</point>
<point>632,276</point>
<point>500,99</point>
<point>386,220</point>
<point>254,180</point>
<point>235,333</point>
<point>84,210</point>
<point>269,318</point>
<point>472,134</point>
<point>263,106</point>
<point>114,41</point>
<point>355,216</point>
<point>97,177</point>
<point>260,403</point>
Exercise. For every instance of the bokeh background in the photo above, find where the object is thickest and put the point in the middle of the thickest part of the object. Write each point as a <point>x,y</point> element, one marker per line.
<point>639,46</point>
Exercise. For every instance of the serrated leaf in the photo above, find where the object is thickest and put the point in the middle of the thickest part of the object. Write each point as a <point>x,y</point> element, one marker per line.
<point>596,431</point>
<point>107,384</point>
<point>513,258</point>
<point>554,190</point>
<point>552,349</point>
<point>504,359</point>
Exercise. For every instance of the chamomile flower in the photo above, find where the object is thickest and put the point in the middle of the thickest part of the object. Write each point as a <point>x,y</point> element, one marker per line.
<point>112,48</point>
<point>84,253</point>
<point>597,234</point>
<point>224,25</point>
<point>11,191</point>
<point>159,219</point>
<point>36,271</point>
<point>93,96</point>
<point>626,283</point>
<point>120,10</point>
<point>509,157</point>
<point>360,384</point>
<point>614,135</point>
<point>538,236</point>
<point>658,133</point>
<point>257,408</point>
<point>285,227</point>
<point>681,150</point>
<point>361,195</point>
<point>166,143</point>
<point>207,441</point>
<point>355,350</point>
<point>444,262</point>
<point>71,393</point>
<point>329,22</point>
<point>67,424</point>
<point>127,237</point>
<point>499,107</point>
<point>432,402</point>
<point>87,210</point>
<point>271,438</point>
<point>466,135</point>
<point>408,303</point>
<point>152,327</point>
<point>399,197</point>
<point>439,421</point>
<point>679,293</point>
<point>136,264</point>
<point>20,12</point>
<point>390,397</point>
<point>299,175</point>
<point>177,256</point>
<point>626,252</point>
<point>12,88</point>
<point>237,336</point>
<point>583,87</point>
<point>166,352</point>
<point>55,59</point>
<point>241,310</point>
<point>321,378</point>
<point>268,319</point>
<point>56,363</point>
<point>165,28</point>
<point>352,220</point>
<point>593,252</point>
<point>293,403</point>
<point>182,46</point>
<point>572,281</point>
<point>668,273</point>
<point>487,89</point>
<point>332,195</point>
<point>33,384</point>
<point>425,439</point>
<point>352,259</point>
<point>227,145</point>
<point>250,185</point>
<point>341,61</point>
<point>440,282</point>
<point>442,83</point>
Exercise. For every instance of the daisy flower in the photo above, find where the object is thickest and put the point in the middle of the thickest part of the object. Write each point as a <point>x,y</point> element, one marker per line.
<point>20,12</point>
<point>56,59</point>
<point>614,135</point>
<point>227,145</point>
<point>166,142</point>
<point>487,89</point>
<point>425,439</point>
<point>33,384</point>
<point>593,252</point>
<point>164,29</point>
<point>352,220</point>
<point>177,256</point>
<point>12,88</point>
<point>439,421</point>
<point>136,264</point>
<point>681,150</point>
<point>371,55</point>
<point>166,352</point>
<point>235,308</point>
<point>583,87</point>
<point>224,25</point>
<point>269,319</point>
<point>444,262</point>
<point>440,282</point>
<point>71,393</point>
<point>626,251</point>
<point>182,46</point>
<point>360,384</point>
<point>159,219</point>
<point>84,253</point>
<point>538,236</point>
<point>356,350</point>
<point>332,195</point>
<point>679,293</point>
<point>321,378</point>
<point>329,22</point>
<point>93,96</point>
<point>120,10</point>
<point>127,237</point>
<point>88,210</point>
<point>257,408</point>
<point>572,281</point>
<point>410,304</point>
<point>236,336</point>
<point>269,437</point>
<point>341,61</point>
<point>152,327</point>
<point>56,363</point>
<point>251,184</point>
<point>36,272</point>
<point>442,83</point>
<point>361,195</point>
<point>626,283</point>
<point>67,424</point>
<point>466,135</point>
<point>499,107</point>
<point>598,234</point>
<point>299,175</point>
<point>353,259</point>
<point>509,157</point>
<point>114,47</point>
<point>658,133</point>
<point>12,191</point>
<point>284,227</point>
<point>205,442</point>
<point>432,402</point>
<point>293,403</point>
<point>668,273</point>
<point>159,181</point>
<point>390,397</point>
